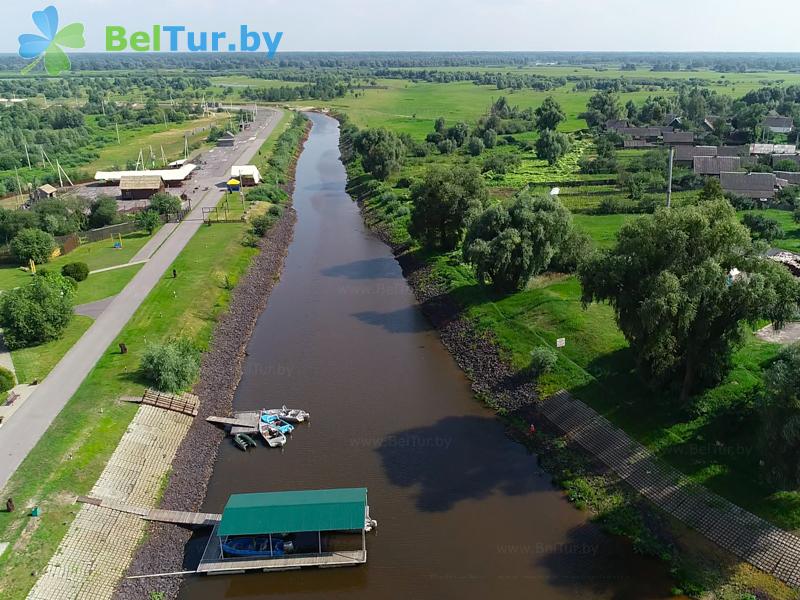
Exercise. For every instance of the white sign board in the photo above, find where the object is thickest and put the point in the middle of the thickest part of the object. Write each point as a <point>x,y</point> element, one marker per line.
<point>561,342</point>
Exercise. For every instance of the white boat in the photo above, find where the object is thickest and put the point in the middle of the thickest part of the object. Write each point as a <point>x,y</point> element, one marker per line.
<point>271,434</point>
<point>291,415</point>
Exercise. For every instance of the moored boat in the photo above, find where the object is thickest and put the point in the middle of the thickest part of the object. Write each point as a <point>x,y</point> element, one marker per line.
<point>271,434</point>
<point>292,415</point>
<point>256,546</point>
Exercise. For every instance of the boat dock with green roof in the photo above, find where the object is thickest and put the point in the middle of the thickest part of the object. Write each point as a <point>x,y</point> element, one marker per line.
<point>276,531</point>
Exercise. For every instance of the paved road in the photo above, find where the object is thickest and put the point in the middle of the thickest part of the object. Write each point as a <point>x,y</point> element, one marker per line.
<point>21,433</point>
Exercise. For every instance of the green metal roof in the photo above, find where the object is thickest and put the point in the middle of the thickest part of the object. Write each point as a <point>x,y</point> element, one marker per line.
<point>286,512</point>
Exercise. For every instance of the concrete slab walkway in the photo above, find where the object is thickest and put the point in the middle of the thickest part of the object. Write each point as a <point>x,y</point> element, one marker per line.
<point>751,538</point>
<point>22,432</point>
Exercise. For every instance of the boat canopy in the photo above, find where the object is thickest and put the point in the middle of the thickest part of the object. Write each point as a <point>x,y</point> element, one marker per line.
<point>340,509</point>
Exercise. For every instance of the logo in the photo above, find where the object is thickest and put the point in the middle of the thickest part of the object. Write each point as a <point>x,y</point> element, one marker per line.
<point>47,46</point>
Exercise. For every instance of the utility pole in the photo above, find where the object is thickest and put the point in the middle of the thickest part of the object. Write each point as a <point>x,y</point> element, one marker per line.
<point>669,178</point>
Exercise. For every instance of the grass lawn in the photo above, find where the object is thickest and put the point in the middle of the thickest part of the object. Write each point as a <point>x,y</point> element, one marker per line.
<point>75,449</point>
<point>97,255</point>
<point>791,241</point>
<point>105,284</point>
<point>37,361</point>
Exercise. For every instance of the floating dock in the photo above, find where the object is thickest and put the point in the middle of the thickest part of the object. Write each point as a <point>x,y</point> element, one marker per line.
<point>241,422</point>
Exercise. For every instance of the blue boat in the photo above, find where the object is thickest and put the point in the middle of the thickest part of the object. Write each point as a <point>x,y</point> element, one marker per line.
<point>256,546</point>
<point>277,423</point>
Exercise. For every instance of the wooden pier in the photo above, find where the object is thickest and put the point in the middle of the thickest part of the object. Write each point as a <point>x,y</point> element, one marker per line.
<point>240,422</point>
<point>212,562</point>
<point>186,404</point>
<point>176,517</point>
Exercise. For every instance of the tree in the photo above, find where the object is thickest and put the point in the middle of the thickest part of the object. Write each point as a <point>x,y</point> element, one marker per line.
<point>601,107</point>
<point>33,244</point>
<point>439,125</point>
<point>501,163</point>
<point>148,220</point>
<point>763,228</point>
<point>381,150</point>
<point>458,133</point>
<point>475,146</point>
<point>712,190</point>
<point>780,417</point>
<point>508,245</point>
<point>552,145</point>
<point>490,138</point>
<point>78,271</point>
<point>444,203</point>
<point>549,114</point>
<point>14,221</point>
<point>36,312</point>
<point>103,212</point>
<point>172,366</point>
<point>165,203</point>
<point>668,279</point>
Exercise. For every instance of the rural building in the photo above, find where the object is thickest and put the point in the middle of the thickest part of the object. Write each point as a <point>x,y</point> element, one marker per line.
<point>778,124</point>
<point>171,177</point>
<point>714,165</point>
<point>140,187</point>
<point>246,174</point>
<point>637,144</point>
<point>227,139</point>
<point>679,137</point>
<point>673,120</point>
<point>43,192</point>
<point>642,133</point>
<point>685,154</point>
<point>733,150</point>
<point>764,149</point>
<point>615,124</point>
<point>287,530</point>
<point>791,177</point>
<point>759,186</point>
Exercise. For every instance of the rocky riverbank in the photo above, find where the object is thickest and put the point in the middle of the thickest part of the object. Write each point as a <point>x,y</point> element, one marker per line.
<point>221,370</point>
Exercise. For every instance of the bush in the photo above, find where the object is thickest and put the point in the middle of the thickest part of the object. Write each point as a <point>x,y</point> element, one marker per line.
<point>103,212</point>
<point>763,228</point>
<point>148,220</point>
<point>249,240</point>
<point>171,366</point>
<point>37,312</point>
<point>165,203</point>
<point>543,360</point>
<point>275,210</point>
<point>7,379</point>
<point>33,244</point>
<point>260,224</point>
<point>79,271</point>
<point>796,215</point>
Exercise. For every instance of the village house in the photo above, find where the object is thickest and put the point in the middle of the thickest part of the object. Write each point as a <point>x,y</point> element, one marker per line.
<point>679,137</point>
<point>758,186</point>
<point>778,124</point>
<point>714,165</point>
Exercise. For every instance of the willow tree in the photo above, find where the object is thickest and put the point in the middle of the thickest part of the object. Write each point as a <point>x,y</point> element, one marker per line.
<point>683,282</point>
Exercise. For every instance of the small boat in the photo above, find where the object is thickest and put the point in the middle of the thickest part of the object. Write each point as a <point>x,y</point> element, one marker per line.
<point>272,435</point>
<point>257,546</point>
<point>292,415</point>
<point>248,440</point>
<point>241,442</point>
<point>276,422</point>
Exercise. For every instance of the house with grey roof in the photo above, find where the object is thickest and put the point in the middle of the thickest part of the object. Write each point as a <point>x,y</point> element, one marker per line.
<point>679,137</point>
<point>778,124</point>
<point>759,186</point>
<point>685,154</point>
<point>714,165</point>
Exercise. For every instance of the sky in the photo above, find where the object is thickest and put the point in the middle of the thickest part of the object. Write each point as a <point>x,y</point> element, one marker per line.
<point>466,25</point>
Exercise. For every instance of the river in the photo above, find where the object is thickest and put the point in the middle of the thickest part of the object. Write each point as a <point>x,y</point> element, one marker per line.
<point>463,511</point>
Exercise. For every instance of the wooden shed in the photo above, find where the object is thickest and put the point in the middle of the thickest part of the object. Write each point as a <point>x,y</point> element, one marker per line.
<point>139,187</point>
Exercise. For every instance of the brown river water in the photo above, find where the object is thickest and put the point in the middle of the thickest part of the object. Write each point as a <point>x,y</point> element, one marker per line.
<point>463,511</point>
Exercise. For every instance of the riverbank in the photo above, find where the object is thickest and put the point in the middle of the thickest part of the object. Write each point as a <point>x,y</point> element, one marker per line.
<point>697,565</point>
<point>221,370</point>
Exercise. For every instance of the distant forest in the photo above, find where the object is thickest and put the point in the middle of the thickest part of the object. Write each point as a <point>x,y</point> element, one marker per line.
<point>656,61</point>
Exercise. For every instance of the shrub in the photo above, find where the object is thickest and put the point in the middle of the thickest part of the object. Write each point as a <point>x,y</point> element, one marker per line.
<point>79,271</point>
<point>543,360</point>
<point>171,366</point>
<point>763,228</point>
<point>148,220</point>
<point>37,312</point>
<point>260,224</point>
<point>249,240</point>
<point>103,212</point>
<point>165,203</point>
<point>796,215</point>
<point>33,244</point>
<point>275,210</point>
<point>7,379</point>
